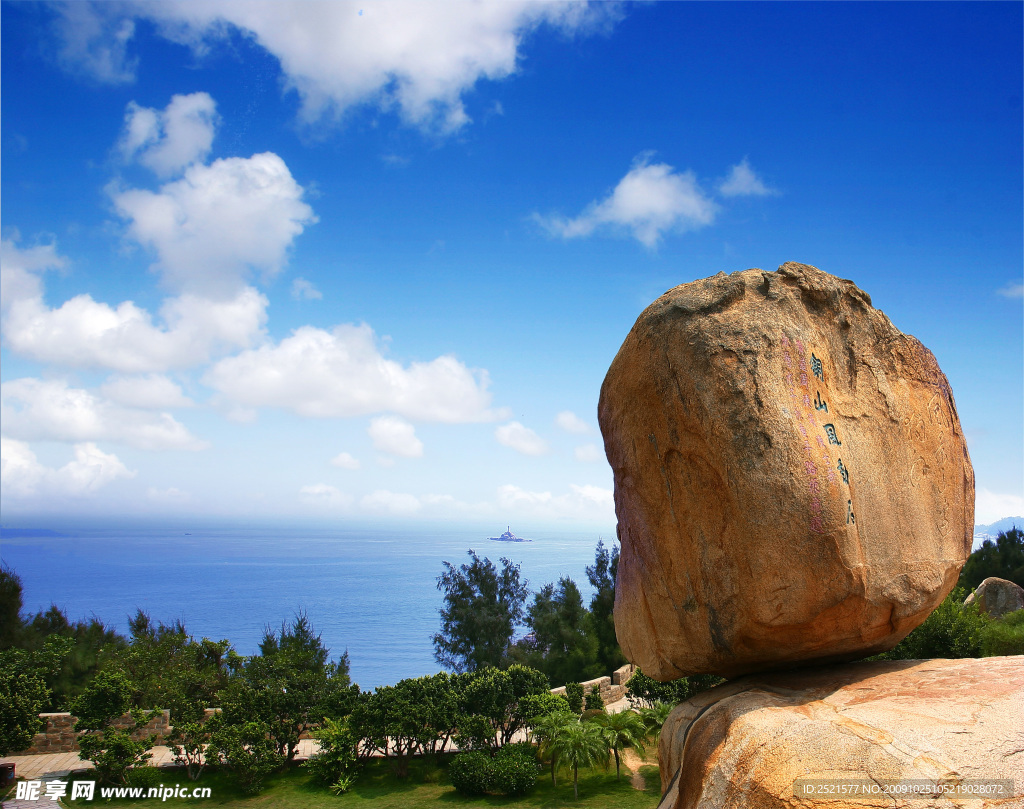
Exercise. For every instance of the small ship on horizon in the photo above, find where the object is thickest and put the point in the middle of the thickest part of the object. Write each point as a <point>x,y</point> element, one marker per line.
<point>508,536</point>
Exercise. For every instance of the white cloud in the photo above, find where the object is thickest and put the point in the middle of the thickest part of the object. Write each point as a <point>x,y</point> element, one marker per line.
<point>588,453</point>
<point>20,270</point>
<point>395,436</point>
<point>521,439</point>
<point>34,409</point>
<point>649,201</point>
<point>742,182</point>
<point>345,461</point>
<point>1013,289</point>
<point>303,290</point>
<point>323,494</point>
<point>580,502</point>
<point>383,501</point>
<point>419,58</point>
<point>152,392</point>
<point>571,423</point>
<point>341,373</point>
<point>218,222</point>
<point>22,476</point>
<point>990,507</point>
<point>168,140</point>
<point>93,40</point>
<point>83,333</point>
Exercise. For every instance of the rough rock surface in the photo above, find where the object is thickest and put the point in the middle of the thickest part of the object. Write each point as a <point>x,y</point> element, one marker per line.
<point>791,480</point>
<point>743,744</point>
<point>997,597</point>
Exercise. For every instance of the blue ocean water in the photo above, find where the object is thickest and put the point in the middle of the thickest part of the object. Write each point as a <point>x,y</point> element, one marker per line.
<point>370,591</point>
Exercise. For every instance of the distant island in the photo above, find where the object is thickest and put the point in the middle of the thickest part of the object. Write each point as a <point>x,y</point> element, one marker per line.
<point>508,536</point>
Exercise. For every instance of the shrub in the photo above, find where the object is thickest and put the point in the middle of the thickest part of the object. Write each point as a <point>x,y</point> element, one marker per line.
<point>574,694</point>
<point>337,756</point>
<point>471,773</point>
<point>953,630</point>
<point>145,777</point>
<point>594,701</point>
<point>525,750</point>
<point>249,753</point>
<point>1005,636</point>
<point>514,773</point>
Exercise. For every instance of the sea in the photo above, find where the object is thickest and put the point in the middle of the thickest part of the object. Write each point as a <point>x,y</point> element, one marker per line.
<point>370,591</point>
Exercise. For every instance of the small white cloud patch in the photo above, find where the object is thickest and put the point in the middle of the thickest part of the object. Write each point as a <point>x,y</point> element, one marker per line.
<point>395,436</point>
<point>303,290</point>
<point>345,461</point>
<point>588,453</point>
<point>168,140</point>
<point>571,423</point>
<point>521,439</point>
<point>743,182</point>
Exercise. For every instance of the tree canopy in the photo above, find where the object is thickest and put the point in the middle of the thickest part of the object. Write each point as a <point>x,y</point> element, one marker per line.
<point>1003,558</point>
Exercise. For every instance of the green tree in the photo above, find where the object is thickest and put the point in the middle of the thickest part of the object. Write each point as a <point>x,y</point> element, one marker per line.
<point>249,751</point>
<point>10,608</point>
<point>644,692</point>
<point>623,729</point>
<point>482,607</point>
<point>337,756</point>
<point>291,686</point>
<point>953,630</point>
<point>547,729</point>
<point>602,606</point>
<point>497,695</point>
<point>114,750</point>
<point>23,691</point>
<point>1003,558</point>
<point>563,630</point>
<point>579,744</point>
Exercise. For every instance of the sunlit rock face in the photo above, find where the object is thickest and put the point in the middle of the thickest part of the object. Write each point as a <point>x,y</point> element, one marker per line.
<point>800,738</point>
<point>791,480</point>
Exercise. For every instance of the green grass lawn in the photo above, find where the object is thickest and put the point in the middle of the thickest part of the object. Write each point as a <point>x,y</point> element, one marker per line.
<point>426,786</point>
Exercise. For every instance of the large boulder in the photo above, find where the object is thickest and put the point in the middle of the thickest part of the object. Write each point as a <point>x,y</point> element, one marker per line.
<point>758,742</point>
<point>791,480</point>
<point>997,597</point>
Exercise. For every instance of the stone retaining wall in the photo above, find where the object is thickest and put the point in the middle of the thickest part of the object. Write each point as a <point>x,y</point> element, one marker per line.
<point>612,689</point>
<point>58,734</point>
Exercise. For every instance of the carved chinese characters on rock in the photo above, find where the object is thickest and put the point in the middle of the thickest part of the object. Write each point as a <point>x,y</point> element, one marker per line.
<point>804,373</point>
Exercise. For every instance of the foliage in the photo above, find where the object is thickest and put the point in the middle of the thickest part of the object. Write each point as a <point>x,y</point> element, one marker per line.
<point>644,692</point>
<point>496,694</point>
<point>623,729</point>
<point>952,630</point>
<point>23,692</point>
<point>1003,558</point>
<point>112,750</point>
<point>535,706</point>
<point>481,610</point>
<point>594,701</point>
<point>1004,636</point>
<point>574,694</point>
<point>654,718</point>
<point>10,608</point>
<point>290,686</point>
<point>395,720</point>
<point>337,757</point>
<point>565,643</point>
<point>578,744</point>
<point>514,770</point>
<point>547,730</point>
<point>188,741</point>
<point>249,752</point>
<point>602,606</point>
<point>471,773</point>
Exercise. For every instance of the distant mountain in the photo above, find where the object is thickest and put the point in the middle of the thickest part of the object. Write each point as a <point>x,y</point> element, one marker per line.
<point>992,530</point>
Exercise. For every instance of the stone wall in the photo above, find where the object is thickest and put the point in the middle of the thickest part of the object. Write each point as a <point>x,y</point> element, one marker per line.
<point>612,689</point>
<point>58,734</point>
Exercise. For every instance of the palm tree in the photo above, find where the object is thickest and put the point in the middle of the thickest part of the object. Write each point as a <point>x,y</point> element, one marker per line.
<point>654,717</point>
<point>547,729</point>
<point>623,729</point>
<point>579,744</point>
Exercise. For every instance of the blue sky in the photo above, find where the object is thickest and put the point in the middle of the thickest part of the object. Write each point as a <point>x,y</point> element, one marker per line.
<point>372,260</point>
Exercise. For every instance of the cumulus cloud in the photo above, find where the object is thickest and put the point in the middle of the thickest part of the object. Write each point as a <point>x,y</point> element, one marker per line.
<point>168,140</point>
<point>395,436</point>
<point>345,461</point>
<point>151,392</point>
<point>652,199</point>
<point>571,423</point>
<point>83,333</point>
<point>303,290</point>
<point>219,222</point>
<point>580,502</point>
<point>20,271</point>
<point>521,439</point>
<point>417,58</point>
<point>342,373</point>
<point>990,507</point>
<point>37,409</point>
<point>742,182</point>
<point>22,476</point>
<point>588,453</point>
